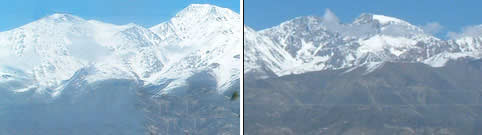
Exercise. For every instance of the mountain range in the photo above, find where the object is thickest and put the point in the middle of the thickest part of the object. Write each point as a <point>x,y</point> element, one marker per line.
<point>64,59</point>
<point>313,43</point>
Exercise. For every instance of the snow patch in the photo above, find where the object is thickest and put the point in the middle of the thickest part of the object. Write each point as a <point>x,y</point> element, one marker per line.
<point>372,66</point>
<point>386,20</point>
<point>441,59</point>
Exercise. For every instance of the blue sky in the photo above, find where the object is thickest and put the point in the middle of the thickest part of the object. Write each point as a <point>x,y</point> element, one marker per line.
<point>15,13</point>
<point>450,14</point>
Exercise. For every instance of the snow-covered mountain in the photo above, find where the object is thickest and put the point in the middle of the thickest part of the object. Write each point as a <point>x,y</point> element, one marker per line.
<point>174,78</point>
<point>375,75</point>
<point>202,38</point>
<point>44,54</point>
<point>312,43</point>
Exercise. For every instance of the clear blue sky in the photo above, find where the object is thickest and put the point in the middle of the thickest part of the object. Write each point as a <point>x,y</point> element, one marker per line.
<point>15,13</point>
<point>453,15</point>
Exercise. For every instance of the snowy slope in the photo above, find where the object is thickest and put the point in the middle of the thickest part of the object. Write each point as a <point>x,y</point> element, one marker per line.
<point>203,38</point>
<point>319,43</point>
<point>53,48</point>
<point>197,26</point>
<point>471,40</point>
<point>263,54</point>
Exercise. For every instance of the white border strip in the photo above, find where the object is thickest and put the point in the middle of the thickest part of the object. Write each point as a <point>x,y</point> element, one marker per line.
<point>241,72</point>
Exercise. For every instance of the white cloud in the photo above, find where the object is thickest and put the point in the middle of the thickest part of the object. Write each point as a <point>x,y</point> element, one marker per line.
<point>330,17</point>
<point>471,31</point>
<point>432,28</point>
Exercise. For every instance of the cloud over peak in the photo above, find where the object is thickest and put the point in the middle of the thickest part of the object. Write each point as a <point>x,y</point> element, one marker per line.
<point>469,31</point>
<point>330,17</point>
<point>432,28</point>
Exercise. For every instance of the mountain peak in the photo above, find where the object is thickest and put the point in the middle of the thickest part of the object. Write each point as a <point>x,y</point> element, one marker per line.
<point>298,21</point>
<point>386,19</point>
<point>63,17</point>
<point>305,19</point>
<point>202,10</point>
<point>202,6</point>
<point>197,21</point>
<point>381,19</point>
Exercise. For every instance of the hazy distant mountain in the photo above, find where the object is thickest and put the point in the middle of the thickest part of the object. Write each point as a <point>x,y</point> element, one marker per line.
<point>65,70</point>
